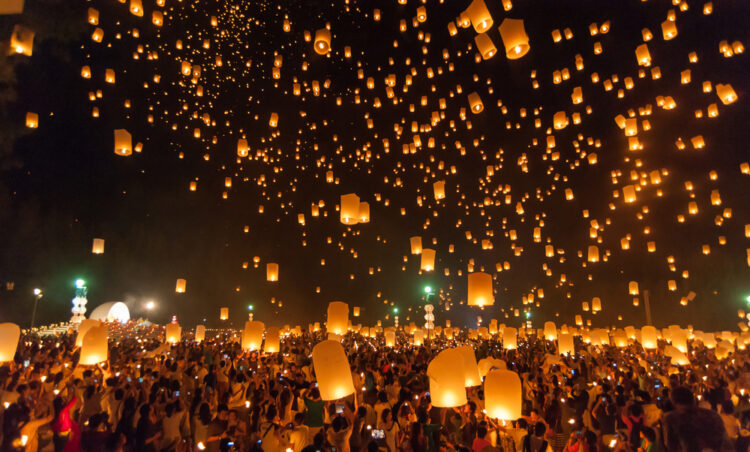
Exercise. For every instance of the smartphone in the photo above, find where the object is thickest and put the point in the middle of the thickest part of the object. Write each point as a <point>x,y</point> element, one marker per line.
<point>26,363</point>
<point>604,399</point>
<point>177,393</point>
<point>140,380</point>
<point>339,408</point>
<point>129,380</point>
<point>378,434</point>
<point>427,393</point>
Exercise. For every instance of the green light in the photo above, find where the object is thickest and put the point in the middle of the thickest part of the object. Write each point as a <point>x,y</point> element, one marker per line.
<point>395,310</point>
<point>427,289</point>
<point>249,307</point>
<point>80,283</point>
<point>747,299</point>
<point>528,315</point>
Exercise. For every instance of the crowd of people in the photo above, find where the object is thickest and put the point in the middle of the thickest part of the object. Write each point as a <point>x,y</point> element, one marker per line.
<point>214,396</point>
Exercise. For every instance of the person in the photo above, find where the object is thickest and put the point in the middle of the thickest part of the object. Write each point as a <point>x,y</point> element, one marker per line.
<point>341,430</point>
<point>66,433</point>
<point>534,441</point>
<point>314,412</point>
<point>300,433</point>
<point>576,443</point>
<point>648,440</point>
<point>731,423</point>
<point>633,420</point>
<point>147,433</point>
<point>689,427</point>
<point>480,442</point>
<point>391,430</point>
<point>270,432</point>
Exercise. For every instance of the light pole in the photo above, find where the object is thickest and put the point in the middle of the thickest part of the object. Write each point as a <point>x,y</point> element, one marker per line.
<point>37,295</point>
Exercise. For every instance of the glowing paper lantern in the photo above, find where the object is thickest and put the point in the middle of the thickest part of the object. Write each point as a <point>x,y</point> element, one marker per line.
<point>180,286</point>
<point>643,55</point>
<point>475,103</point>
<point>509,338</point>
<point>355,311</point>
<point>428,260</point>
<point>337,317</point>
<point>123,142</point>
<point>648,337</point>
<point>550,331</point>
<point>565,344</point>
<point>223,313</point>
<point>502,395</point>
<point>390,338</point>
<point>173,333</point>
<point>252,335</point>
<point>677,356</point>
<point>418,337</point>
<point>200,333</point>
<point>471,369</point>
<point>22,40</point>
<point>447,381</point>
<point>349,209</point>
<point>332,370</point>
<point>11,7</point>
<point>479,16</point>
<point>272,272</point>
<point>98,246</point>
<point>514,38</point>
<point>485,46</point>
<point>83,328</point>
<point>439,189</point>
<point>322,43</point>
<point>416,245</point>
<point>94,347</point>
<point>480,289</point>
<point>726,93</point>
<point>10,333</point>
<point>273,340</point>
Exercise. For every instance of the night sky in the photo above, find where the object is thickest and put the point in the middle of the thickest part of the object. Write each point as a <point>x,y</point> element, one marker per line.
<point>62,185</point>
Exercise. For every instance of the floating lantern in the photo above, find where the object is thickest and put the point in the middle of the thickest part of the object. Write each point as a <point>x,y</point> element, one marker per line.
<point>479,16</point>
<point>22,40</point>
<point>98,246</point>
<point>10,333</point>
<point>648,337</point>
<point>123,143</point>
<point>83,328</point>
<point>349,209</point>
<point>94,346</point>
<point>416,245</point>
<point>272,272</point>
<point>428,260</point>
<point>337,317</point>
<point>509,338</point>
<point>252,335</point>
<point>173,333</point>
<point>200,333</point>
<point>503,395</point>
<point>180,286</point>
<point>565,345</point>
<point>480,290</point>
<point>224,314</point>
<point>322,43</point>
<point>447,380</point>
<point>514,38</point>
<point>332,370</point>
<point>273,340</point>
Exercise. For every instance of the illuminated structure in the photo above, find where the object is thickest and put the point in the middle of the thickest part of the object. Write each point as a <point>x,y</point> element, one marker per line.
<point>79,302</point>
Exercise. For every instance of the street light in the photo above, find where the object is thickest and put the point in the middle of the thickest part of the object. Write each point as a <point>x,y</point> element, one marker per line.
<point>80,283</point>
<point>37,295</point>
<point>150,305</point>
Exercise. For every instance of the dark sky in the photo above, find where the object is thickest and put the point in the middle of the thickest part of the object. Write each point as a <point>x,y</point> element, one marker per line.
<point>62,185</point>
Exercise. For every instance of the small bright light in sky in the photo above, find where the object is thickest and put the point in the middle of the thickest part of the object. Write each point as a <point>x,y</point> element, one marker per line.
<point>528,315</point>
<point>747,298</point>
<point>249,307</point>
<point>150,305</point>
<point>395,310</point>
<point>37,292</point>
<point>427,289</point>
<point>80,283</point>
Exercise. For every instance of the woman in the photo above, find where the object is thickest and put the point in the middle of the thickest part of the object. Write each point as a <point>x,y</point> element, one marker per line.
<point>66,433</point>
<point>201,423</point>
<point>270,432</point>
<point>390,429</point>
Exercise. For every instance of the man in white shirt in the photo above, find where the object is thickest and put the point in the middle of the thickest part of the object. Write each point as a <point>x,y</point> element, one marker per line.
<point>298,436</point>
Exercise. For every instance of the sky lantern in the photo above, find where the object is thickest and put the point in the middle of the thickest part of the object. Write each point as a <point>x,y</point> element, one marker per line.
<point>322,43</point>
<point>390,338</point>
<point>83,328</point>
<point>242,148</point>
<point>22,40</point>
<point>480,290</point>
<point>252,335</point>
<point>123,143</point>
<point>485,46</point>
<point>10,333</point>
<point>550,331</point>
<point>565,344</point>
<point>136,8</point>
<point>475,103</point>
<point>274,120</point>
<point>643,55</point>
<point>157,18</point>
<point>726,93</point>
<point>470,367</point>
<point>332,370</point>
<point>98,246</point>
<point>180,285</point>
<point>272,343</point>
<point>337,317</point>
<point>173,333</point>
<point>32,120</point>
<point>503,395</point>
<point>668,29</point>
<point>439,189</point>
<point>272,272</point>
<point>349,209</point>
<point>416,244</point>
<point>94,346</point>
<point>447,379</point>
<point>428,260</point>
<point>633,288</point>
<point>514,38</point>
<point>224,314</point>
<point>509,338</point>
<point>648,337</point>
<point>479,16</point>
<point>364,212</point>
<point>200,333</point>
